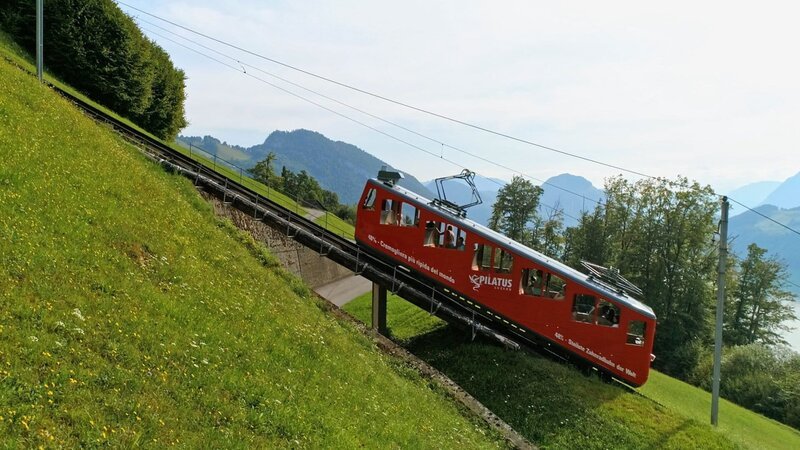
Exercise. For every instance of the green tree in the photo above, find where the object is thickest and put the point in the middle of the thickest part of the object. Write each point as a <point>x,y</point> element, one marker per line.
<point>587,240</point>
<point>548,233</point>
<point>264,172</point>
<point>658,233</point>
<point>759,308</point>
<point>515,208</point>
<point>99,50</point>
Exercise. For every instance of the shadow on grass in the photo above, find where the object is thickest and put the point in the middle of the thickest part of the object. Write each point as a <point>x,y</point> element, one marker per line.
<point>551,403</point>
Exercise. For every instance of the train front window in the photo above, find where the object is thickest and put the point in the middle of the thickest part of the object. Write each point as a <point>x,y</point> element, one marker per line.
<point>608,314</point>
<point>583,308</point>
<point>636,333</point>
<point>482,257</point>
<point>369,202</point>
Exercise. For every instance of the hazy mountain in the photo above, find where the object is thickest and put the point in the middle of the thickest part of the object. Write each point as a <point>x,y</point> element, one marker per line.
<point>338,166</point>
<point>787,195</point>
<point>749,227</point>
<point>572,194</point>
<point>752,194</point>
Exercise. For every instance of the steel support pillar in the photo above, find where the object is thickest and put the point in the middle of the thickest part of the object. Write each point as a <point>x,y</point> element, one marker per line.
<point>379,308</point>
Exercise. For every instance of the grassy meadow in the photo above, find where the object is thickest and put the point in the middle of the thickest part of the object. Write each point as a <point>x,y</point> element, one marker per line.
<point>555,406</point>
<point>131,317</point>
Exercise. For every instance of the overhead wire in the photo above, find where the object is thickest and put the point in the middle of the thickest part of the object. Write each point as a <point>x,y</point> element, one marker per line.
<point>553,209</point>
<point>389,122</point>
<point>765,216</point>
<point>399,103</point>
<point>442,157</point>
<point>389,100</point>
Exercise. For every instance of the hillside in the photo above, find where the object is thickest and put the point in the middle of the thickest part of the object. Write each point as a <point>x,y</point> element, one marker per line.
<point>338,166</point>
<point>752,194</point>
<point>749,227</point>
<point>130,316</point>
<point>787,194</point>
<point>555,406</point>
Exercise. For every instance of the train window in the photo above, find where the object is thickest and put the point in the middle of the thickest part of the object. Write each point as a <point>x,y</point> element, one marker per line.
<point>531,283</point>
<point>410,215</point>
<point>583,308</point>
<point>502,261</point>
<point>390,212</point>
<point>448,237</point>
<point>439,234</point>
<point>555,286</point>
<point>482,258</point>
<point>369,202</point>
<point>461,239</point>
<point>387,209</point>
<point>608,314</point>
<point>636,329</point>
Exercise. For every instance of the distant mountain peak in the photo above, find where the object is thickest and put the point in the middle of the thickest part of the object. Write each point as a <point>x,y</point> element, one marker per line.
<point>787,195</point>
<point>573,194</point>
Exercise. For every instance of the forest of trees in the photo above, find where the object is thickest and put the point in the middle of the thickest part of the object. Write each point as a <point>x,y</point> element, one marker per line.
<point>96,48</point>
<point>302,187</point>
<point>660,235</point>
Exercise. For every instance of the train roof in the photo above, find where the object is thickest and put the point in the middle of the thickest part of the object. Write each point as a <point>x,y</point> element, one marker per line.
<point>551,264</point>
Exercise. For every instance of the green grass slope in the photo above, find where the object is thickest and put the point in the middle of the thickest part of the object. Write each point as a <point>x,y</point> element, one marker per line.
<point>555,406</point>
<point>10,51</point>
<point>130,316</point>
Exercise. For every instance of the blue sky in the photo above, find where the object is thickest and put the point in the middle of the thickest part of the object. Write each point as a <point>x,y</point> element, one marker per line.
<point>708,90</point>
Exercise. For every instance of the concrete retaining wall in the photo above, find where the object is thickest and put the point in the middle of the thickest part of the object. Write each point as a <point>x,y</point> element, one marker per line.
<point>314,269</point>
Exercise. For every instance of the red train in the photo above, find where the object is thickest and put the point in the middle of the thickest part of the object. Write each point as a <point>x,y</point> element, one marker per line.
<point>537,297</point>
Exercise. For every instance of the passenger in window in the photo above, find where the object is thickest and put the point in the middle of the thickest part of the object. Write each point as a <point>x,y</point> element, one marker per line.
<point>460,243</point>
<point>450,238</point>
<point>430,234</point>
<point>534,284</point>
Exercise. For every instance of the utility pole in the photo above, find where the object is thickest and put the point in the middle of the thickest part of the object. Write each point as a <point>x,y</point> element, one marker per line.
<point>39,38</point>
<point>723,259</point>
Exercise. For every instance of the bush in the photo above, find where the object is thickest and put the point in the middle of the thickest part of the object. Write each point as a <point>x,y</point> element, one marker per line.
<point>760,378</point>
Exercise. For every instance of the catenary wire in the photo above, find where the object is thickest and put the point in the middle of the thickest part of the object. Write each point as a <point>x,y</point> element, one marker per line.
<point>386,99</point>
<point>389,122</point>
<point>240,70</point>
<point>765,216</point>
<point>423,111</point>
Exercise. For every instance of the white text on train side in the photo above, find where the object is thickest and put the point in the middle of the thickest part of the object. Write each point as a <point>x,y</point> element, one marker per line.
<point>503,284</point>
<point>596,356</point>
<point>411,260</point>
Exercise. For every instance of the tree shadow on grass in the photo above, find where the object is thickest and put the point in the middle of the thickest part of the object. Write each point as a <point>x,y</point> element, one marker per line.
<point>551,403</point>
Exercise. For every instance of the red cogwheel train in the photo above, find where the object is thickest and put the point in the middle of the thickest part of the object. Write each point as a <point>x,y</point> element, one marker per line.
<point>538,298</point>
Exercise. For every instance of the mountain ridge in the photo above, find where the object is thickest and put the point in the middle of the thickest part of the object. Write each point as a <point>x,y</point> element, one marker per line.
<point>338,166</point>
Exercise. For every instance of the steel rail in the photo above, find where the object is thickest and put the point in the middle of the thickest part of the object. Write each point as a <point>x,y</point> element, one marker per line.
<point>429,296</point>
